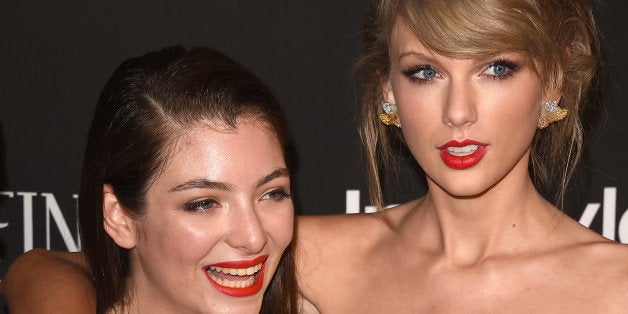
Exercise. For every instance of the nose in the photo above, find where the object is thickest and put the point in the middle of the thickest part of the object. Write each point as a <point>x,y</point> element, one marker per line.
<point>246,231</point>
<point>460,107</point>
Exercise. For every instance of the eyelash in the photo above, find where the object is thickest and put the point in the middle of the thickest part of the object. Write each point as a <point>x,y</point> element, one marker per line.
<point>410,73</point>
<point>195,206</point>
<point>511,67</point>
<point>279,195</point>
<point>208,204</point>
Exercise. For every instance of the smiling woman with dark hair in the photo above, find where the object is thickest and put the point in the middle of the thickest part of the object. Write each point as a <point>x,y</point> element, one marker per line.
<point>185,187</point>
<point>184,199</point>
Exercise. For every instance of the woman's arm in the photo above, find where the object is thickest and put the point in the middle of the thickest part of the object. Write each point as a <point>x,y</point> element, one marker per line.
<point>42,281</point>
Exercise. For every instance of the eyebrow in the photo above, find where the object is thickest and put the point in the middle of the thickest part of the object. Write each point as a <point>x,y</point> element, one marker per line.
<point>414,54</point>
<point>279,172</point>
<point>216,185</point>
<point>202,184</point>
<point>481,58</point>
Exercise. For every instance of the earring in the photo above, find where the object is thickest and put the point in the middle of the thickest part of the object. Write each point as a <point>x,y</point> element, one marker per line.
<point>390,117</point>
<point>551,112</point>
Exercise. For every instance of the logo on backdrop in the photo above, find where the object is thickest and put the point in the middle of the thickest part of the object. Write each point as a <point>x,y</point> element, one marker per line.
<point>51,213</point>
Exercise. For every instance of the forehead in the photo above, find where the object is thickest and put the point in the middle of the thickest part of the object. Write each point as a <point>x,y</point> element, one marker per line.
<point>217,152</point>
<point>404,45</point>
<point>402,40</point>
<point>465,29</point>
<point>405,40</point>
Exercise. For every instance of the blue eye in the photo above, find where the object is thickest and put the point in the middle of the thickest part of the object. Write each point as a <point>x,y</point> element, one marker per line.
<point>427,73</point>
<point>421,73</point>
<point>276,195</point>
<point>501,69</point>
<point>201,205</point>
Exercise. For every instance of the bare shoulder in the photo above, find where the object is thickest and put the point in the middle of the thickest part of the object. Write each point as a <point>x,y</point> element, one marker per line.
<point>611,259</point>
<point>337,237</point>
<point>48,281</point>
<point>610,268</point>
<point>325,240</point>
<point>589,247</point>
<point>600,267</point>
<point>331,248</point>
<point>323,228</point>
<point>351,226</point>
<point>327,249</point>
<point>53,261</point>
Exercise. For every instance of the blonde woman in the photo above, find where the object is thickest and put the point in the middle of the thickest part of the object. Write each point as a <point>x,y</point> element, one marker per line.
<point>478,91</point>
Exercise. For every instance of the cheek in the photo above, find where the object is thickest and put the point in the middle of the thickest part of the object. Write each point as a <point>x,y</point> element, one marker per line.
<point>421,123</point>
<point>420,109</point>
<point>184,240</point>
<point>280,226</point>
<point>517,111</point>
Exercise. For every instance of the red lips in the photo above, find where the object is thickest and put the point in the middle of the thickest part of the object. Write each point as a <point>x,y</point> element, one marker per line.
<point>462,154</point>
<point>236,291</point>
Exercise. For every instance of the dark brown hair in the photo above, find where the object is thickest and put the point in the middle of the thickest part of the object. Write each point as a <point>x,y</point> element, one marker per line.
<point>147,103</point>
<point>558,37</point>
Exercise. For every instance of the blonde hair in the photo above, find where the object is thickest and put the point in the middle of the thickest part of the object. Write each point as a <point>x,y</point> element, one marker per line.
<point>558,37</point>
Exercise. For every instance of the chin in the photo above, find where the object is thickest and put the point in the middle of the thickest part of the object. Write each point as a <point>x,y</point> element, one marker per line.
<point>466,194</point>
<point>237,307</point>
<point>462,188</point>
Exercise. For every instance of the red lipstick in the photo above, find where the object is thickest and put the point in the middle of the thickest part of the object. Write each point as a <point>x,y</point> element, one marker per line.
<point>222,277</point>
<point>461,155</point>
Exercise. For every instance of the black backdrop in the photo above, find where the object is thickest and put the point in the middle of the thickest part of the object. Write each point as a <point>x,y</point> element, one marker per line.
<point>57,55</point>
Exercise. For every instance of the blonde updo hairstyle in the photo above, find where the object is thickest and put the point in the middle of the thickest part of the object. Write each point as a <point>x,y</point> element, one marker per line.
<point>557,37</point>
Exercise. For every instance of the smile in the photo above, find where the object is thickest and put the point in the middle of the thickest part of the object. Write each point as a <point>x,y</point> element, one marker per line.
<point>462,155</point>
<point>237,278</point>
<point>463,151</point>
<point>237,274</point>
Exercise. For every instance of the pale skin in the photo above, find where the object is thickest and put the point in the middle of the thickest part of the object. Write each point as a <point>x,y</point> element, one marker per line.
<point>482,240</point>
<point>223,196</point>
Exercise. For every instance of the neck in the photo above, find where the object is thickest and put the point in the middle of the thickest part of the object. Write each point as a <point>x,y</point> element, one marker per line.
<point>509,218</point>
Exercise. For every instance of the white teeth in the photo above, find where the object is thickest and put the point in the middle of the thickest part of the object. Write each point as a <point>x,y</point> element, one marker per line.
<point>232,283</point>
<point>250,271</point>
<point>237,271</point>
<point>463,151</point>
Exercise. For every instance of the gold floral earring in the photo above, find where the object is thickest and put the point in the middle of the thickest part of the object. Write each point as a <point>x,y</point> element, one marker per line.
<point>390,116</point>
<point>551,112</point>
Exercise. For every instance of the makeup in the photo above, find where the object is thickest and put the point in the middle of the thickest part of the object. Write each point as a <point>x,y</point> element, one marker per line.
<point>461,155</point>
<point>238,278</point>
<point>421,74</point>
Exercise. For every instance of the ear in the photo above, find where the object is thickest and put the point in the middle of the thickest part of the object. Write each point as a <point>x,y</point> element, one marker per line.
<point>118,224</point>
<point>387,91</point>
